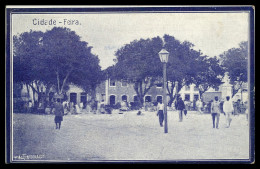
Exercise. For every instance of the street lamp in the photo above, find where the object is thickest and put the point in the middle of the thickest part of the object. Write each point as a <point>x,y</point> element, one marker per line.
<point>164,54</point>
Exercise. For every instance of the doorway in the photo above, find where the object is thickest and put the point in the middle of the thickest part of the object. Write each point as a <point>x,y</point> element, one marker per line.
<point>112,100</point>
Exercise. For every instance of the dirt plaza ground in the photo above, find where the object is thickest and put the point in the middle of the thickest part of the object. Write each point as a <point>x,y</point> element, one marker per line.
<point>94,137</point>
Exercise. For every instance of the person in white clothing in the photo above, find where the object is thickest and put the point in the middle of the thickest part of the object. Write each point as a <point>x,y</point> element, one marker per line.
<point>199,105</point>
<point>160,109</point>
<point>77,109</point>
<point>228,109</point>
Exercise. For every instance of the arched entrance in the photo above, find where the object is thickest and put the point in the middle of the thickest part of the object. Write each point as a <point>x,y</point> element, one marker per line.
<point>73,97</point>
<point>112,99</point>
<point>124,98</point>
<point>148,99</point>
<point>159,99</point>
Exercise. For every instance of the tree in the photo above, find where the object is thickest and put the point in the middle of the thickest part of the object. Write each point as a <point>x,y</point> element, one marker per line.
<point>210,74</point>
<point>138,62</point>
<point>235,62</point>
<point>27,47</point>
<point>51,58</point>
<point>181,68</point>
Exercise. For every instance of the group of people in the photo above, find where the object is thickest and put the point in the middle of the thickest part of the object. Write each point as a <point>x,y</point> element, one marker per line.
<point>215,109</point>
<point>179,106</point>
<point>61,108</point>
<point>71,107</point>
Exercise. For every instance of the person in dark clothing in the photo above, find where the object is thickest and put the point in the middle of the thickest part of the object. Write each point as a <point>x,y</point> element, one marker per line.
<point>215,112</point>
<point>59,113</point>
<point>180,106</point>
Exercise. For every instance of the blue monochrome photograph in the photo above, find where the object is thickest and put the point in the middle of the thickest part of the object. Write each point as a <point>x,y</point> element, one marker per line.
<point>130,84</point>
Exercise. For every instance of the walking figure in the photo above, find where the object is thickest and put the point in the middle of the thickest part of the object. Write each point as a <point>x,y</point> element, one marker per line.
<point>59,113</point>
<point>160,108</point>
<point>30,107</point>
<point>179,105</point>
<point>199,105</point>
<point>215,111</point>
<point>228,109</point>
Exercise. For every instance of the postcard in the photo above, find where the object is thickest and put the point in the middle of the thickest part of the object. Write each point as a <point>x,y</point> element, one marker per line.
<point>140,84</point>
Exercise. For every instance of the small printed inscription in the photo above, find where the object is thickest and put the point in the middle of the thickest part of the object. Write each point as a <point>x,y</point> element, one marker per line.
<point>65,22</point>
<point>28,157</point>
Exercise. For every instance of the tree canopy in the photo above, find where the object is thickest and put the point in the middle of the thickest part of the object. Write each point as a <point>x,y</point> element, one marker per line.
<point>55,58</point>
<point>139,62</point>
<point>235,62</point>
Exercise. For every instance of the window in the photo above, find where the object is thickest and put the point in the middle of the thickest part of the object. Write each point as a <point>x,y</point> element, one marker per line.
<point>83,97</point>
<point>112,100</point>
<point>159,85</point>
<point>159,98</point>
<point>196,97</point>
<point>187,97</point>
<point>124,82</point>
<point>112,83</point>
<point>73,97</point>
<point>124,98</point>
<point>148,99</point>
<point>195,88</point>
<point>187,88</point>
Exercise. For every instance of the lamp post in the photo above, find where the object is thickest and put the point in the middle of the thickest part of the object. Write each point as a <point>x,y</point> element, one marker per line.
<point>176,92</point>
<point>164,54</point>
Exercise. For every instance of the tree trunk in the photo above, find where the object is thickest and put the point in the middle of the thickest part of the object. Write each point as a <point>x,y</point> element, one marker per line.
<point>65,79</point>
<point>170,93</point>
<point>28,91</point>
<point>172,98</point>
<point>200,92</point>
<point>34,98</point>
<point>38,92</point>
<point>58,82</point>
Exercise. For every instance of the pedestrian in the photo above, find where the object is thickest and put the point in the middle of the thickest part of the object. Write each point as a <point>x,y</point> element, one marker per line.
<point>59,113</point>
<point>199,105</point>
<point>187,105</point>
<point>77,109</point>
<point>246,111</point>
<point>102,107</point>
<point>228,109</point>
<point>237,108</point>
<point>179,105</point>
<point>146,105</point>
<point>81,105</point>
<point>72,107</point>
<point>30,107</point>
<point>160,111</point>
<point>215,111</point>
<point>209,106</point>
<point>194,104</point>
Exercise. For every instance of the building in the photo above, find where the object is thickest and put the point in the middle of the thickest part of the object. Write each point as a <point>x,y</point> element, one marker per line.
<point>111,92</point>
<point>118,91</point>
<point>189,93</point>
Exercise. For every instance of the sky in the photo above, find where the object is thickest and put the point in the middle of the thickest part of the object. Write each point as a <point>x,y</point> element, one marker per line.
<point>212,33</point>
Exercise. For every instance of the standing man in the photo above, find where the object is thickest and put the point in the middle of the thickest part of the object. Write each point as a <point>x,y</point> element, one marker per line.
<point>199,105</point>
<point>59,112</point>
<point>179,105</point>
<point>30,107</point>
<point>160,108</point>
<point>228,109</point>
<point>215,111</point>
